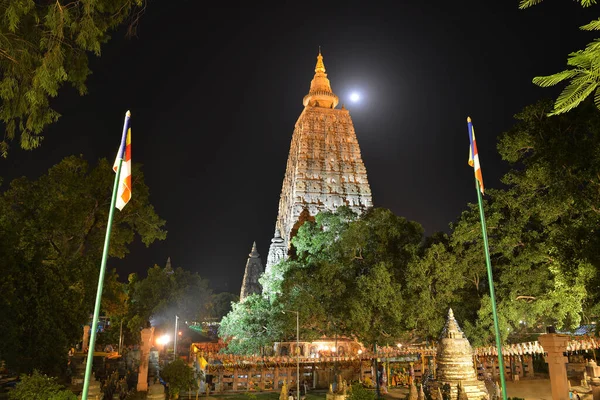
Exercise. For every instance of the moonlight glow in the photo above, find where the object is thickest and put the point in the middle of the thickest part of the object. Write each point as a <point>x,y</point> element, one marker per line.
<point>354,97</point>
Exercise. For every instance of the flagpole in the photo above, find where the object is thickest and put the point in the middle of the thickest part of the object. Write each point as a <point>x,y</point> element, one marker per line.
<point>90,354</point>
<point>490,279</point>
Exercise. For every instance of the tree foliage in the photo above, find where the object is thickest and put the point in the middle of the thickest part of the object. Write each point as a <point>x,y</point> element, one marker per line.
<point>44,45</point>
<point>164,293</point>
<point>252,325</point>
<point>179,377</point>
<point>374,278</point>
<point>542,228</point>
<point>40,387</point>
<point>583,75</point>
<point>51,240</point>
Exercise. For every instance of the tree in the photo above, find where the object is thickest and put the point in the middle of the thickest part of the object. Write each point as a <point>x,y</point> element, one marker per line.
<point>349,273</point>
<point>44,45</point>
<point>252,325</point>
<point>221,304</point>
<point>165,293</point>
<point>582,76</point>
<point>555,176</point>
<point>438,278</point>
<point>52,232</point>
<point>542,227</point>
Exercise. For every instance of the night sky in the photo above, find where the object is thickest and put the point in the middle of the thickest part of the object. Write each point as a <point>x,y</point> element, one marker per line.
<point>215,92</point>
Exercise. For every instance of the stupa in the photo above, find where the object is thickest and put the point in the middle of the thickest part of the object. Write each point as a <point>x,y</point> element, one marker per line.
<point>455,364</point>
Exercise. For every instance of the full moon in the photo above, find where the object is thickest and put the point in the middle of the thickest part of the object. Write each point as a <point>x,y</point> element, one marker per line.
<point>354,97</point>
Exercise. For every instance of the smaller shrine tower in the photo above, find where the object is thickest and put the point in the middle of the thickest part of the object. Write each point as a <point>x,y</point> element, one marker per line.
<point>254,269</point>
<point>455,363</point>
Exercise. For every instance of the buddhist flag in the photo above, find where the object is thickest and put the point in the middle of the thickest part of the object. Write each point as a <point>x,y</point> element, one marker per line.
<point>124,191</point>
<point>474,156</point>
<point>202,361</point>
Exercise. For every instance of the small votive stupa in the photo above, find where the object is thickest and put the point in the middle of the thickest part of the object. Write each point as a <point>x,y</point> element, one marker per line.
<point>455,364</point>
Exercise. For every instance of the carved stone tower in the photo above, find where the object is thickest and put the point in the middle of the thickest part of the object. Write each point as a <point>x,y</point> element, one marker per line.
<point>324,168</point>
<point>254,269</point>
<point>455,363</point>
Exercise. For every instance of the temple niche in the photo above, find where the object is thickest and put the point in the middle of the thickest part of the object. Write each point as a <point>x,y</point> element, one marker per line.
<point>455,370</point>
<point>324,170</point>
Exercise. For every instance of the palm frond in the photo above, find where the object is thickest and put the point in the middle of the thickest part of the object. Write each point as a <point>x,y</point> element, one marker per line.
<point>593,46</point>
<point>529,3</point>
<point>587,3</point>
<point>592,26</point>
<point>597,98</point>
<point>577,91</point>
<point>551,80</point>
<point>581,59</point>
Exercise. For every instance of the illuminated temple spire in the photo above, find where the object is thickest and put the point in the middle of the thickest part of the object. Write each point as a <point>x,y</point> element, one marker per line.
<point>324,169</point>
<point>254,268</point>
<point>320,94</point>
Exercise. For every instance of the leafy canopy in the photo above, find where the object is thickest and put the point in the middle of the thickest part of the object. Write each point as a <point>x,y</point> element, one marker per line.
<point>584,75</point>
<point>40,387</point>
<point>51,239</point>
<point>44,45</point>
<point>164,293</point>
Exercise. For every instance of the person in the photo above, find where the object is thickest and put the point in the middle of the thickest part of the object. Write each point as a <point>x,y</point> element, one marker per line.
<point>576,395</point>
<point>305,387</point>
<point>290,395</point>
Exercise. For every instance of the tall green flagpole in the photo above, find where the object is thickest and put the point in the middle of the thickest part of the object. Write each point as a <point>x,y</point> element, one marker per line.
<point>90,354</point>
<point>474,161</point>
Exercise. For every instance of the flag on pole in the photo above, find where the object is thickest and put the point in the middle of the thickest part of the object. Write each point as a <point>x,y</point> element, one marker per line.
<point>474,156</point>
<point>124,193</point>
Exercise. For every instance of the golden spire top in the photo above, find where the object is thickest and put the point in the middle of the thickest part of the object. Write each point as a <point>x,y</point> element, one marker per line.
<point>320,93</point>
<point>320,68</point>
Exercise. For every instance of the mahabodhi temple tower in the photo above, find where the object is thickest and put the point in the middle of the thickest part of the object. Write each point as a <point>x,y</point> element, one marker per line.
<point>324,167</point>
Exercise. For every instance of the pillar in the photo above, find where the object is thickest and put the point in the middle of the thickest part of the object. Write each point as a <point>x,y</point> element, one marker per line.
<point>86,338</point>
<point>554,346</point>
<point>593,372</point>
<point>146,344</point>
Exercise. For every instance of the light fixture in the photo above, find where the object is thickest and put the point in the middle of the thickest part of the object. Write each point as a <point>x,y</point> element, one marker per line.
<point>163,340</point>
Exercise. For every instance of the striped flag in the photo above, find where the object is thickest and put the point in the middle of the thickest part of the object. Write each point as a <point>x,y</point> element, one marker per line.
<point>474,156</point>
<point>124,191</point>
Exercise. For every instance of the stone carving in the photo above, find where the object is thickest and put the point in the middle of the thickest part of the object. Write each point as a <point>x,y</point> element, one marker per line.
<point>277,250</point>
<point>324,168</point>
<point>254,269</point>
<point>455,364</point>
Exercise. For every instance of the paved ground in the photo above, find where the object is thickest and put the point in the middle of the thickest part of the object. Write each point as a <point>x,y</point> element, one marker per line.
<point>528,389</point>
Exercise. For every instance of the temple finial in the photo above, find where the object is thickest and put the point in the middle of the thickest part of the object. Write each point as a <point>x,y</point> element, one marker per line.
<point>450,313</point>
<point>320,93</point>
<point>320,67</point>
<point>254,251</point>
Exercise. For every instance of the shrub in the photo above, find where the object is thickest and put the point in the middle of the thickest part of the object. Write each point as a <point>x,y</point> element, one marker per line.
<point>358,392</point>
<point>178,377</point>
<point>40,387</point>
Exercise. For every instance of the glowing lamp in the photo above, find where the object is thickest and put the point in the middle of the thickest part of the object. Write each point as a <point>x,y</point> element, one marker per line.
<point>163,340</point>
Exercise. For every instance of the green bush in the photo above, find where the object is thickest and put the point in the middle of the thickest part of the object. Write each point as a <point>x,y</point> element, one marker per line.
<point>178,377</point>
<point>40,387</point>
<point>358,392</point>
